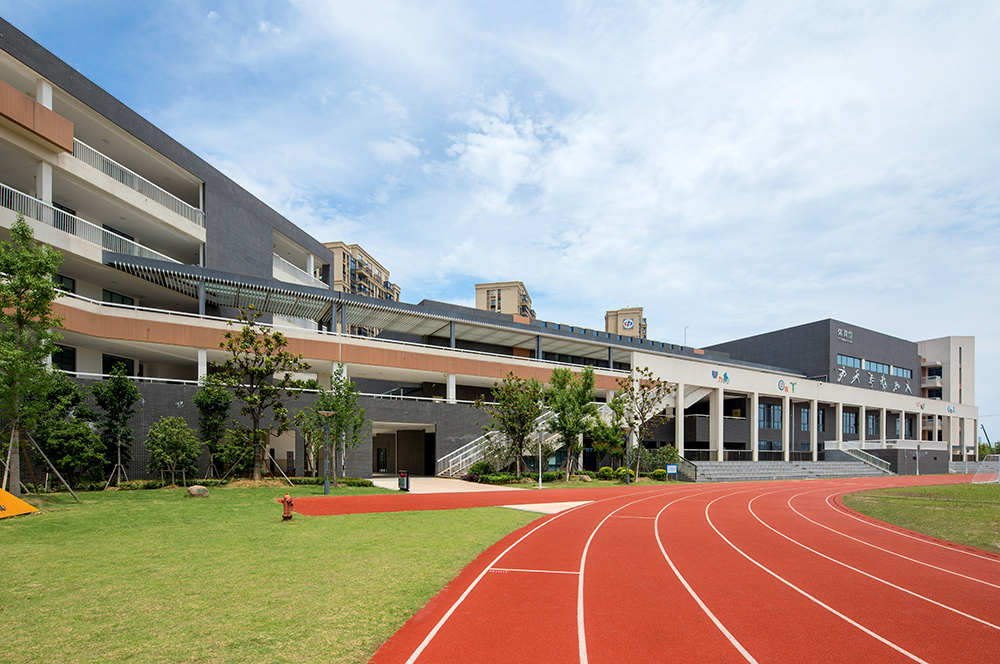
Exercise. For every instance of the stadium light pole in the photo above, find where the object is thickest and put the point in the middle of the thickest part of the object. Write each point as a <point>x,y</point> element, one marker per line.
<point>326,456</point>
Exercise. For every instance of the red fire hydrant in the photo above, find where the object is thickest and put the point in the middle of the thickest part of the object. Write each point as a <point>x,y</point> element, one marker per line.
<point>287,503</point>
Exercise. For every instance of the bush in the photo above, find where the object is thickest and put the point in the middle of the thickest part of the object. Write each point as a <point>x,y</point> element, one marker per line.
<point>481,468</point>
<point>498,478</point>
<point>605,473</point>
<point>343,481</point>
<point>660,475</point>
<point>620,474</point>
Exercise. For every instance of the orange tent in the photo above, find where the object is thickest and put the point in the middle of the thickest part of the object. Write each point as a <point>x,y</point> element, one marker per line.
<point>11,506</point>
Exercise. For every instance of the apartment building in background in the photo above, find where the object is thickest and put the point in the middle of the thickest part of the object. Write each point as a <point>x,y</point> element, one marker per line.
<point>504,297</point>
<point>162,251</point>
<point>628,321</point>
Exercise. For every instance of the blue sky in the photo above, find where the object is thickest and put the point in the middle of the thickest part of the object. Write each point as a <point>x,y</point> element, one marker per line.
<point>733,167</point>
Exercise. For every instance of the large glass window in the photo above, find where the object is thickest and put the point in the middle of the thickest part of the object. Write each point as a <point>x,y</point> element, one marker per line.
<point>850,423</point>
<point>804,418</point>
<point>820,419</point>
<point>769,445</point>
<point>873,424</point>
<point>117,298</point>
<point>769,416</point>
<point>902,373</point>
<point>877,367</point>
<point>64,358</point>
<point>65,283</point>
<point>934,372</point>
<point>848,361</point>
<point>934,393</point>
<point>109,362</point>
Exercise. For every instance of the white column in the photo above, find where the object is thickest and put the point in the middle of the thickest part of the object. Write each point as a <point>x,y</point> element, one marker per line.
<point>755,425</point>
<point>679,420</point>
<point>43,93</point>
<point>902,425</point>
<point>862,425</point>
<point>882,416</point>
<point>715,424</point>
<point>838,425</point>
<point>935,424</point>
<point>202,363</point>
<point>43,182</point>
<point>451,388</point>
<point>813,433</point>
<point>310,264</point>
<point>786,438</point>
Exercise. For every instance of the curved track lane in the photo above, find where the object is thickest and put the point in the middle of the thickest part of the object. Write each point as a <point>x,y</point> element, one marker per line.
<point>747,572</point>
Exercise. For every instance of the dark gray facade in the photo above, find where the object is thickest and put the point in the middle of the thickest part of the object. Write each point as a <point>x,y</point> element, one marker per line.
<point>813,349</point>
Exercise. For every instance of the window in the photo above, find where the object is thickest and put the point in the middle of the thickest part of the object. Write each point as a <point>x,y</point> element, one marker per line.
<point>909,428</point>
<point>65,283</point>
<point>902,373</point>
<point>117,298</point>
<point>769,445</point>
<point>64,358</point>
<point>850,422</point>
<point>820,419</point>
<point>873,424</point>
<point>805,418</point>
<point>769,416</point>
<point>109,362</point>
<point>934,393</point>
<point>934,372</point>
<point>848,361</point>
<point>877,367</point>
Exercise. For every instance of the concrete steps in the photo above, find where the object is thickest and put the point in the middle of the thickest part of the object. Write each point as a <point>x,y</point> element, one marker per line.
<point>750,471</point>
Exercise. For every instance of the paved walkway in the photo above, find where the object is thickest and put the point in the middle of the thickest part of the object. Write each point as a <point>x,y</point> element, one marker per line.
<point>438,485</point>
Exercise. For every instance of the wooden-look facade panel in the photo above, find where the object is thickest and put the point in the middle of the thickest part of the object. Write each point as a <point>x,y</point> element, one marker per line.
<point>28,114</point>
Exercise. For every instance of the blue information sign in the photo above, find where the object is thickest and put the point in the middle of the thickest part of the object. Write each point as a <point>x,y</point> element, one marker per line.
<point>672,469</point>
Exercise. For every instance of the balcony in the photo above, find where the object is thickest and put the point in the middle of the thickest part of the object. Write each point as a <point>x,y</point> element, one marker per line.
<point>930,381</point>
<point>44,213</point>
<point>285,271</point>
<point>119,173</point>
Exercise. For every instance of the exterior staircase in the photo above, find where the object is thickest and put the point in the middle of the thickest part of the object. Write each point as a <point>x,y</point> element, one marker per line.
<point>757,471</point>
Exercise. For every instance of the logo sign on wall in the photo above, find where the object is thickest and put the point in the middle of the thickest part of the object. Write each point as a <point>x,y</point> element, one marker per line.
<point>721,377</point>
<point>628,324</point>
<point>845,335</point>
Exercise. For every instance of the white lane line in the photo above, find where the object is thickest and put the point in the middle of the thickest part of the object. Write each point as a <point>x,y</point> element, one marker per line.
<point>532,571</point>
<point>475,582</point>
<point>807,595</point>
<point>626,516</point>
<point>580,630</point>
<point>882,549</point>
<point>864,573</point>
<point>903,534</point>
<point>680,577</point>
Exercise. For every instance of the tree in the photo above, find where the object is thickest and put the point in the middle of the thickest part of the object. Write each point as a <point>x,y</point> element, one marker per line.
<point>172,445</point>
<point>609,436</point>
<point>65,433</point>
<point>259,372</point>
<point>213,401</point>
<point>116,397</point>
<point>571,398</point>
<point>27,330</point>
<point>516,406</point>
<point>348,427</point>
<point>643,397</point>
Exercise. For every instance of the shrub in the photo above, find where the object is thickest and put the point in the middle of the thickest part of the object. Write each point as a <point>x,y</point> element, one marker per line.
<point>469,477</point>
<point>620,474</point>
<point>481,468</point>
<point>605,473</point>
<point>498,478</point>
<point>312,481</point>
<point>660,475</point>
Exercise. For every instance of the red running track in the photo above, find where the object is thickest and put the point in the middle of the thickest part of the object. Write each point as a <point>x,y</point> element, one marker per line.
<point>746,572</point>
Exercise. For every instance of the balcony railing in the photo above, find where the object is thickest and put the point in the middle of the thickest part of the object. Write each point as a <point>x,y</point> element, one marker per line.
<point>136,182</point>
<point>295,272</point>
<point>12,199</point>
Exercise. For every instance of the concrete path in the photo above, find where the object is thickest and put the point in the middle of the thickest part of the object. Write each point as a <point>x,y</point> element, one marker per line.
<point>438,485</point>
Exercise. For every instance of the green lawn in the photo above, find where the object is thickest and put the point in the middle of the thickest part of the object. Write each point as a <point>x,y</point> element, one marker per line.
<point>964,513</point>
<point>154,576</point>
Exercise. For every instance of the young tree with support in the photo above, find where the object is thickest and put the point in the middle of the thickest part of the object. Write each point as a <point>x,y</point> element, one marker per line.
<point>213,401</point>
<point>337,407</point>
<point>117,397</point>
<point>514,411</point>
<point>570,397</point>
<point>259,372</point>
<point>172,445</point>
<point>643,402</point>
<point>27,333</point>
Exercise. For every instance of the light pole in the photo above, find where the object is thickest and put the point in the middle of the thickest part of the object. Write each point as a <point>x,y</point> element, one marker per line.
<point>326,456</point>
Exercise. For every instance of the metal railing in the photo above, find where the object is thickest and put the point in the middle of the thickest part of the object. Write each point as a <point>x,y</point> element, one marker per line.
<point>136,182</point>
<point>687,469</point>
<point>458,462</point>
<point>854,449</point>
<point>290,269</point>
<point>12,199</point>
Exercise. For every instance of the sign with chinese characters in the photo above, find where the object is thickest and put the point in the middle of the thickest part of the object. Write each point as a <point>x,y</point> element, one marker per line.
<point>845,335</point>
<point>628,324</point>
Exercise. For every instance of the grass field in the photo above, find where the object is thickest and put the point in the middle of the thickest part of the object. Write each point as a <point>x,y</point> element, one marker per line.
<point>154,576</point>
<point>963,513</point>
